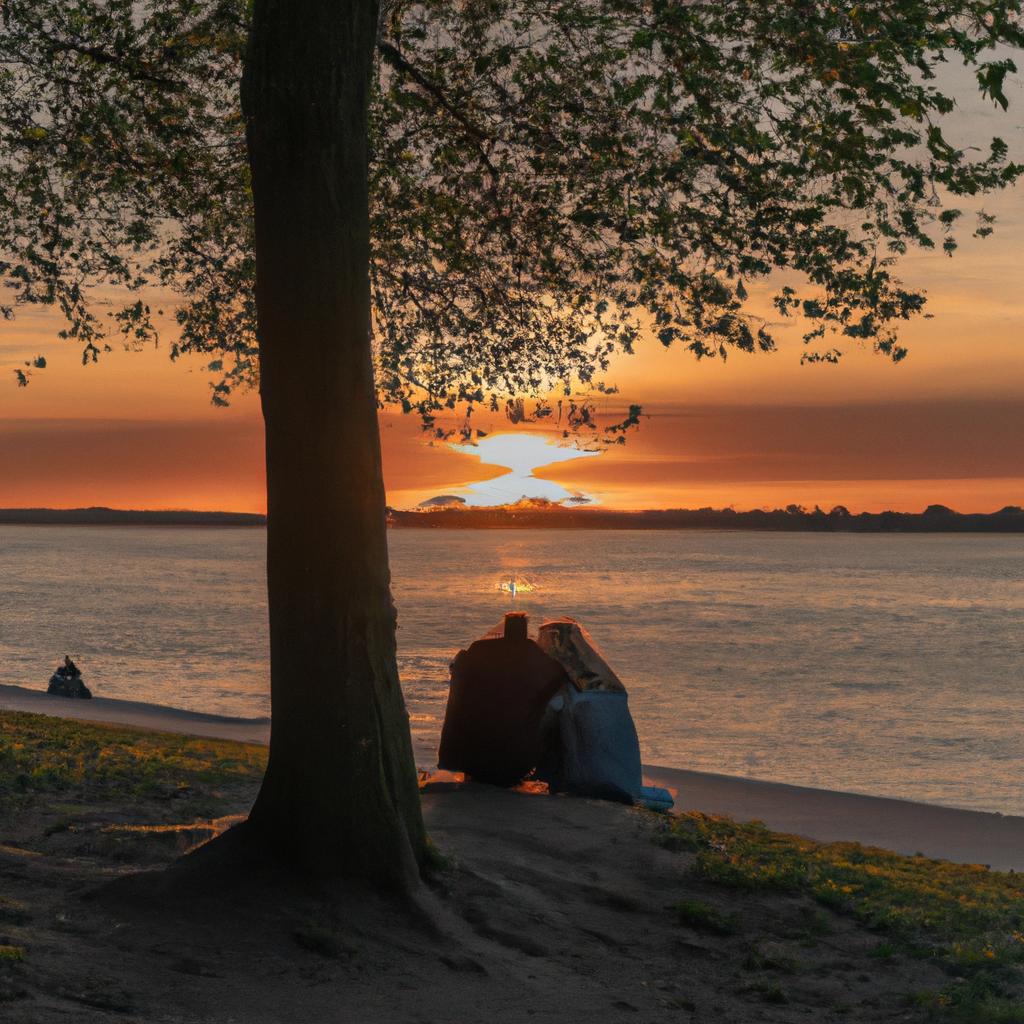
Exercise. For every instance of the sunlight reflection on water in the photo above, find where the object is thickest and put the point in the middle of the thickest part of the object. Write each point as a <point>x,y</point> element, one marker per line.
<point>881,664</point>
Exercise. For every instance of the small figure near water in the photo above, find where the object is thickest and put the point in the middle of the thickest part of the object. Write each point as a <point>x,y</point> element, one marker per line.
<point>67,681</point>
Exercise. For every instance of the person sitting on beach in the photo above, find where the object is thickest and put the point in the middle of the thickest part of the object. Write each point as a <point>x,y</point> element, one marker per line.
<point>70,669</point>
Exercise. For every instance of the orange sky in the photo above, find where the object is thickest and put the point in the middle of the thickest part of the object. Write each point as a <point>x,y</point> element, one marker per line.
<point>947,425</point>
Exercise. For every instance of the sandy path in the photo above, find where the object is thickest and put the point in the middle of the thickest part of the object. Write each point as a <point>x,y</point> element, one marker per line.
<point>951,834</point>
<point>971,837</point>
<point>136,713</point>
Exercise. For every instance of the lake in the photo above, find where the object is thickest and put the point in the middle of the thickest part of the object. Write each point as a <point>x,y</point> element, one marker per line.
<point>883,664</point>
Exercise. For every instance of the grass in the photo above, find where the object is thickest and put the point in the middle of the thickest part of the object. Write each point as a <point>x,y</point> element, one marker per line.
<point>42,758</point>
<point>968,919</point>
<point>435,862</point>
<point>704,918</point>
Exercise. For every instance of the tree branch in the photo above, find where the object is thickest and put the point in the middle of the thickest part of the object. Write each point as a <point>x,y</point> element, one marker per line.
<point>400,63</point>
<point>133,68</point>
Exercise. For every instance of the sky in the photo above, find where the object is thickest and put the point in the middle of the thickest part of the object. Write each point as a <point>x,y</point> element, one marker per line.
<point>945,426</point>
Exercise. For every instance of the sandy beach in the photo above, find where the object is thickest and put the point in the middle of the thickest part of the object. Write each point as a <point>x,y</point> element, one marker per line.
<point>534,907</point>
<point>558,910</point>
<point>963,836</point>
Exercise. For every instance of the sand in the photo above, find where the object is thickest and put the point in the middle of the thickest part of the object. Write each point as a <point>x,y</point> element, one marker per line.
<point>964,836</point>
<point>136,714</point>
<point>947,833</point>
<point>551,909</point>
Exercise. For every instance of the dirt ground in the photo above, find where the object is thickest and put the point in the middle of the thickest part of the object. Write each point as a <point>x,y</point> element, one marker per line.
<point>550,909</point>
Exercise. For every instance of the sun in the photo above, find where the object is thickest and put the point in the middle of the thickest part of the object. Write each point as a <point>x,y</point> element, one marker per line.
<point>521,454</point>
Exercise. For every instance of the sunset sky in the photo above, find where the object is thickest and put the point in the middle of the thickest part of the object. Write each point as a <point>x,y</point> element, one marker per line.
<point>947,425</point>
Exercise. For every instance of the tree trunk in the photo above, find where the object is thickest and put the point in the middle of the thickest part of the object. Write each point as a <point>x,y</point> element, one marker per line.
<point>340,794</point>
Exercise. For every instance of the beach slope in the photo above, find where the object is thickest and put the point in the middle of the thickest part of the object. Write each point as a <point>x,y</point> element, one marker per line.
<point>972,837</point>
<point>537,908</point>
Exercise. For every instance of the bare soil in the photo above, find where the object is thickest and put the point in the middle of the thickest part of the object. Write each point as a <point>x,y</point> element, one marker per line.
<point>548,909</point>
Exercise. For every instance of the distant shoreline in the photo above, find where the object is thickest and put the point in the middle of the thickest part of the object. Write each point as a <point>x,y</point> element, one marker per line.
<point>935,519</point>
<point>100,516</point>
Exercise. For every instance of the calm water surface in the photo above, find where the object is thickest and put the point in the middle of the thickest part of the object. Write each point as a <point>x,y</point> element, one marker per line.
<point>881,664</point>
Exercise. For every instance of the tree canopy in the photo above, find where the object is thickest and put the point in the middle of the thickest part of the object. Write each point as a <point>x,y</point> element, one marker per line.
<point>549,179</point>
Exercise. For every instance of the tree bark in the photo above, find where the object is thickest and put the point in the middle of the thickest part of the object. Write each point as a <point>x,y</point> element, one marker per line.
<point>340,795</point>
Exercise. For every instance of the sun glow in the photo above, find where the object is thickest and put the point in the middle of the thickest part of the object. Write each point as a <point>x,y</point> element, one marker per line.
<point>521,454</point>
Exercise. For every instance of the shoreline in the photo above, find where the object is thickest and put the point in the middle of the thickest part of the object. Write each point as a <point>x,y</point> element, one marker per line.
<point>905,826</point>
<point>137,714</point>
<point>936,519</point>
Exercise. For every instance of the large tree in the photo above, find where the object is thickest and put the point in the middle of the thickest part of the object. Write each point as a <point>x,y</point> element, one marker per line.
<point>442,204</point>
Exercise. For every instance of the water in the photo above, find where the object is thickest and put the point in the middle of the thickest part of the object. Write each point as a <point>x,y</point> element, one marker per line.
<point>881,664</point>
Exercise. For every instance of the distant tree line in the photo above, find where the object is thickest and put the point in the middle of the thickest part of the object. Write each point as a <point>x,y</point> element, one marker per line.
<point>793,518</point>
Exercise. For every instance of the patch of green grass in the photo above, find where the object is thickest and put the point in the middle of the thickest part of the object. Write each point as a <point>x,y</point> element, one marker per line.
<point>964,916</point>
<point>41,757</point>
<point>12,954</point>
<point>435,862</point>
<point>967,1007</point>
<point>992,1011</point>
<point>705,918</point>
